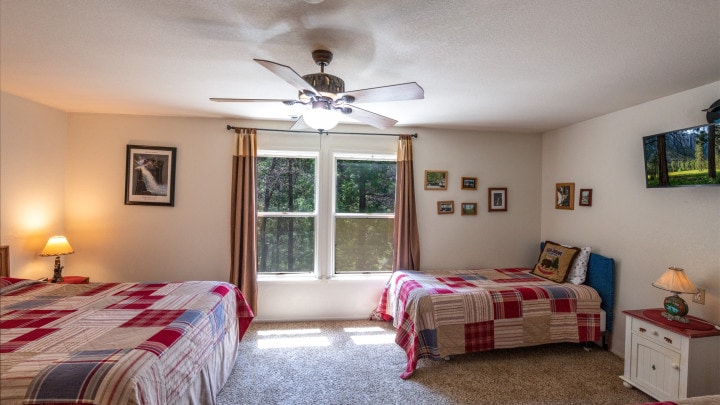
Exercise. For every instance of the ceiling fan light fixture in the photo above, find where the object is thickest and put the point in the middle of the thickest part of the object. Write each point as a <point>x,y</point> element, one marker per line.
<point>321,117</point>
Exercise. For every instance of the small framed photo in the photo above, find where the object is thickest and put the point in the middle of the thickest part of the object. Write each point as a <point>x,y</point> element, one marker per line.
<point>436,179</point>
<point>468,208</point>
<point>469,183</point>
<point>150,175</point>
<point>586,197</point>
<point>497,199</point>
<point>565,196</point>
<point>445,207</point>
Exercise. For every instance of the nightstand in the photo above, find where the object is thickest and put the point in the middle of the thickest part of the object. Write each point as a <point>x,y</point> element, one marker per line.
<point>670,360</point>
<point>75,280</point>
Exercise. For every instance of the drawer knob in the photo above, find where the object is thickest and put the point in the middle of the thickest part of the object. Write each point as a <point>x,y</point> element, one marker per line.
<point>643,330</point>
<point>667,339</point>
<point>653,367</point>
<point>655,333</point>
<point>676,366</point>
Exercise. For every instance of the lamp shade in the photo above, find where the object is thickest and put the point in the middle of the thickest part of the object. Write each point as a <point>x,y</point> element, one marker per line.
<point>56,246</point>
<point>675,280</point>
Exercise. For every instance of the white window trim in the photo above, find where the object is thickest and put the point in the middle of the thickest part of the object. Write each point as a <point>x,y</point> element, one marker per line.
<point>315,274</point>
<point>334,214</point>
<point>325,212</point>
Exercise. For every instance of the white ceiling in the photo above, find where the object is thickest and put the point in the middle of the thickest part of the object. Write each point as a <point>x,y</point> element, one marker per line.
<point>507,65</point>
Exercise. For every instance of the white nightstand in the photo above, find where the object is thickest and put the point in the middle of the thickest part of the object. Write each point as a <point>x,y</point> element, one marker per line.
<point>670,360</point>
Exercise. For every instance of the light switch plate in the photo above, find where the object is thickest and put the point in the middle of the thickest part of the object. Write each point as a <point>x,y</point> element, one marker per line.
<point>699,296</point>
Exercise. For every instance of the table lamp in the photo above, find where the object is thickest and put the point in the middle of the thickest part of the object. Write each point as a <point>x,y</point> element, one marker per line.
<point>57,246</point>
<point>675,281</point>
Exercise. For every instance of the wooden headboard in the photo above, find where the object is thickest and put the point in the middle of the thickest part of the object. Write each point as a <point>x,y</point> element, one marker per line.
<point>4,261</point>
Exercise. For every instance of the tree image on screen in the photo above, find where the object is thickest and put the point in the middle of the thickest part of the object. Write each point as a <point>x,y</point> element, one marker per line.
<point>685,157</point>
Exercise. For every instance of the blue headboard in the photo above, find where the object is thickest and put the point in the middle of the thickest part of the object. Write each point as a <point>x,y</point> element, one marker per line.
<point>601,277</point>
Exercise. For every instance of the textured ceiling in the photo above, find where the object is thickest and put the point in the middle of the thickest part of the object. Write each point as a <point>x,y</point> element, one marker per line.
<point>507,65</point>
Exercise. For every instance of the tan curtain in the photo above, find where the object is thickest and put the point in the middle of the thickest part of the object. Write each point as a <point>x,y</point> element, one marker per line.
<point>243,270</point>
<point>406,255</point>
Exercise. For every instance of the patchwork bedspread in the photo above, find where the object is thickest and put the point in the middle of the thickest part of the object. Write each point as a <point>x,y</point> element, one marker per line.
<point>452,312</point>
<point>119,343</point>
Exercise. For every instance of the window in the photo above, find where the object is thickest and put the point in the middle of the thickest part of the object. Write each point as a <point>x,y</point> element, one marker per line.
<point>286,214</point>
<point>364,214</point>
<point>351,197</point>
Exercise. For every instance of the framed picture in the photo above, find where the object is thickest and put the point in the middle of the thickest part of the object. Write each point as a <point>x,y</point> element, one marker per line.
<point>150,175</point>
<point>469,183</point>
<point>586,197</point>
<point>445,207</point>
<point>468,208</point>
<point>497,199</point>
<point>565,196</point>
<point>436,179</point>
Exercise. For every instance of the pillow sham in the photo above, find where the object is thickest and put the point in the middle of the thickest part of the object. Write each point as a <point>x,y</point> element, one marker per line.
<point>8,284</point>
<point>555,261</point>
<point>578,271</point>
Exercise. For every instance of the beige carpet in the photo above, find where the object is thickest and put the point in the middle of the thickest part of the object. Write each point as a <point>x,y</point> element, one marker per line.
<point>357,362</point>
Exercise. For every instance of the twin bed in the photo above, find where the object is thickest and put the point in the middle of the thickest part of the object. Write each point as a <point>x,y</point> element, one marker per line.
<point>118,343</point>
<point>439,314</point>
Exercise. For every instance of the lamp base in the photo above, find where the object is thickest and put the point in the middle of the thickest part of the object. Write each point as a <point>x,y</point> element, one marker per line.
<point>675,308</point>
<point>672,317</point>
<point>57,271</point>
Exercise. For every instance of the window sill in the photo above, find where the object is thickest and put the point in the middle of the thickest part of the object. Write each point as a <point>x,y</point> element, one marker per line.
<point>303,278</point>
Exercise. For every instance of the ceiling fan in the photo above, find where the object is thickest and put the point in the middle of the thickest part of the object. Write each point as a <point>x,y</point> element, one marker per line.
<point>327,98</point>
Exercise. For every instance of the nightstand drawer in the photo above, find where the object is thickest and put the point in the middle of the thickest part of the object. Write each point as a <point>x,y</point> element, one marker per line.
<point>656,334</point>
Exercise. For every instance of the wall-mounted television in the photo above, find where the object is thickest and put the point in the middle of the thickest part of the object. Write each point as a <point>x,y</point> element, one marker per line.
<point>684,157</point>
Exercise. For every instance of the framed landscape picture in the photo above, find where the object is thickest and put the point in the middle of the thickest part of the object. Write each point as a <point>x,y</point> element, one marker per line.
<point>436,179</point>
<point>586,197</point>
<point>445,207</point>
<point>565,196</point>
<point>497,199</point>
<point>467,208</point>
<point>469,183</point>
<point>150,175</point>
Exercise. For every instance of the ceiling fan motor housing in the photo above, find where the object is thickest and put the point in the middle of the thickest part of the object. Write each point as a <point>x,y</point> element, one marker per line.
<point>325,83</point>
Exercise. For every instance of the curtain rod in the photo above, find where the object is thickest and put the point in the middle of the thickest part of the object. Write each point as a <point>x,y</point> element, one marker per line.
<point>229,127</point>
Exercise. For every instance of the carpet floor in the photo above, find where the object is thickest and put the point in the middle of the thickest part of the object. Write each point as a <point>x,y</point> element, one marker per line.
<point>357,362</point>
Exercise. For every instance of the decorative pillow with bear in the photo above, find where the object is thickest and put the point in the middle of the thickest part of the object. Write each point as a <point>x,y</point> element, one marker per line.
<point>555,261</point>
<point>578,271</point>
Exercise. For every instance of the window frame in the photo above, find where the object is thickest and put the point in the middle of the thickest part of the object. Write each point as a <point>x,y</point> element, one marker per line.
<point>315,214</point>
<point>334,215</point>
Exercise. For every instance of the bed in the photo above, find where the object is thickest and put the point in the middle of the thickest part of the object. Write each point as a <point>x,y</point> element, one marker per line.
<point>442,313</point>
<point>118,343</point>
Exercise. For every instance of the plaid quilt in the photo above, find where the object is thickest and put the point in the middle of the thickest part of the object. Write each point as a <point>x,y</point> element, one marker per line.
<point>462,311</point>
<point>117,343</point>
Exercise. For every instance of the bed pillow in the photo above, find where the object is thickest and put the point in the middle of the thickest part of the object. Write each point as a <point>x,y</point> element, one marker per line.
<point>555,261</point>
<point>578,271</point>
<point>8,284</point>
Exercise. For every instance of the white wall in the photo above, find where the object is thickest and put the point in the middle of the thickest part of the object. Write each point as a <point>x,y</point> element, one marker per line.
<point>32,182</point>
<point>116,242</point>
<point>645,230</point>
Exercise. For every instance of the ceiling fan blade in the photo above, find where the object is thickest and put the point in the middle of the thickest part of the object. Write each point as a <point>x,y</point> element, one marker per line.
<point>371,118</point>
<point>250,100</point>
<point>395,92</point>
<point>288,74</point>
<point>299,124</point>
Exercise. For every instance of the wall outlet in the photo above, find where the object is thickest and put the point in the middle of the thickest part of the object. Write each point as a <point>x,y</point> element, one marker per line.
<point>699,296</point>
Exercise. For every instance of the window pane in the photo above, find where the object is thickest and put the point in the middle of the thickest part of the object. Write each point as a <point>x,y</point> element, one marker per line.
<point>286,244</point>
<point>363,244</point>
<point>286,184</point>
<point>365,186</point>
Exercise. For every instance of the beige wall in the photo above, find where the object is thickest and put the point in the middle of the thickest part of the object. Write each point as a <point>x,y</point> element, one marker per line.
<point>32,182</point>
<point>645,230</point>
<point>117,242</point>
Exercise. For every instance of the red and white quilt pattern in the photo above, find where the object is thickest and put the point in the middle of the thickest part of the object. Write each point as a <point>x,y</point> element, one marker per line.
<point>452,312</point>
<point>114,343</point>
